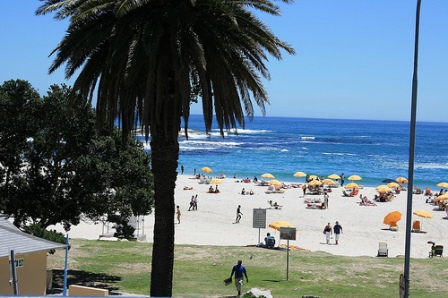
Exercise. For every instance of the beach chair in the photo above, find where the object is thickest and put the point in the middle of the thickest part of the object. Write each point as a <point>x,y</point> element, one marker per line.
<point>393,226</point>
<point>417,190</point>
<point>438,251</point>
<point>345,194</point>
<point>383,251</point>
<point>416,226</point>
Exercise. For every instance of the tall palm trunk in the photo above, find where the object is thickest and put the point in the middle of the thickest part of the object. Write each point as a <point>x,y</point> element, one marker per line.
<point>165,153</point>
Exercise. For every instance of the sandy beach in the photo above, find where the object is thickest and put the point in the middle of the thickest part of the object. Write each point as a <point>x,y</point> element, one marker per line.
<point>363,228</point>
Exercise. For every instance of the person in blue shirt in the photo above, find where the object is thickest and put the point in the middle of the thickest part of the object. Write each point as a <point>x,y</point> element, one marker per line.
<point>239,271</point>
<point>269,240</point>
<point>337,232</point>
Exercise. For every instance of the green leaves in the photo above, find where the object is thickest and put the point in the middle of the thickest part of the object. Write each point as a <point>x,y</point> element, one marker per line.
<point>56,168</point>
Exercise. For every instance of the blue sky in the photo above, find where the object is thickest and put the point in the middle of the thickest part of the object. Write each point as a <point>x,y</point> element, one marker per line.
<point>354,57</point>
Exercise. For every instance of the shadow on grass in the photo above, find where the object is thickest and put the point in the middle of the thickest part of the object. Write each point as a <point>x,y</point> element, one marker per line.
<point>273,280</point>
<point>83,278</point>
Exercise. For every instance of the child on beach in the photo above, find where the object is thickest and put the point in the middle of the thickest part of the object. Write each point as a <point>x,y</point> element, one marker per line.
<point>178,214</point>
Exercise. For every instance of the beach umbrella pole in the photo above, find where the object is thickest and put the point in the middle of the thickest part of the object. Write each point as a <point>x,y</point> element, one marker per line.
<point>411,155</point>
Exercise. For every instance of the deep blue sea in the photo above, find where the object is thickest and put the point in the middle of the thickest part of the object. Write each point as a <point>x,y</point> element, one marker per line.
<point>374,150</point>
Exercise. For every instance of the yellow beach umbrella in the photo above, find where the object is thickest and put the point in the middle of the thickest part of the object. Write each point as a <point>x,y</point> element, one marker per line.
<point>274,182</point>
<point>276,225</point>
<point>393,185</point>
<point>402,180</point>
<point>334,176</point>
<point>354,177</point>
<point>443,197</point>
<point>216,181</point>
<point>267,175</point>
<point>299,174</point>
<point>443,184</point>
<point>328,182</point>
<point>351,185</point>
<point>312,177</point>
<point>383,189</point>
<point>422,213</point>
<point>314,183</point>
<point>206,170</point>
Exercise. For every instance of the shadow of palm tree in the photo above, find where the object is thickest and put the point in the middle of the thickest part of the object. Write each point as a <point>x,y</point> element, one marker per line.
<point>83,278</point>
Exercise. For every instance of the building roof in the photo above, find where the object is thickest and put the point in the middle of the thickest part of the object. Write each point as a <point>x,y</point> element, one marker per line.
<point>14,239</point>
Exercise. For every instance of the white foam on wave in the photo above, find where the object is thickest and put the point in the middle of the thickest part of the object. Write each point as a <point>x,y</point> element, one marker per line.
<point>216,132</point>
<point>339,153</point>
<point>191,145</point>
<point>334,153</point>
<point>307,138</point>
<point>431,166</point>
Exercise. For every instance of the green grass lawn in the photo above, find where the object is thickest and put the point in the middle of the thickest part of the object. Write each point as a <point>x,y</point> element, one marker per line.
<point>199,271</point>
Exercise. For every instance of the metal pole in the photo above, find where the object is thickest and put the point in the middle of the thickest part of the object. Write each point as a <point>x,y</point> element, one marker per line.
<point>287,259</point>
<point>14,273</point>
<point>64,290</point>
<point>411,154</point>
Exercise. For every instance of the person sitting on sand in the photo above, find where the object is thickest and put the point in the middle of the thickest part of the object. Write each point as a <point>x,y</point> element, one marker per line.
<point>243,191</point>
<point>269,240</point>
<point>216,189</point>
<point>211,190</point>
<point>251,192</point>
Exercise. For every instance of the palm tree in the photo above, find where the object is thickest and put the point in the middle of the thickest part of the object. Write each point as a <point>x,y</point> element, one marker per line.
<point>149,60</point>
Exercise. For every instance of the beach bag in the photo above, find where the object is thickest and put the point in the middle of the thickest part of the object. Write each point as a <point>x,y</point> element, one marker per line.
<point>227,281</point>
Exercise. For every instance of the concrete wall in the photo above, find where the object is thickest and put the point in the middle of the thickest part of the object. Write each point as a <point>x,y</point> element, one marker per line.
<point>74,290</point>
<point>31,277</point>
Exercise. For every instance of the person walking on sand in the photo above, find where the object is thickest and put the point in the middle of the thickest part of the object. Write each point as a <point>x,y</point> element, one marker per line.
<point>337,228</point>
<point>328,232</point>
<point>191,203</point>
<point>304,189</point>
<point>239,271</point>
<point>326,197</point>
<point>178,214</point>
<point>182,169</point>
<point>195,201</point>
<point>342,179</point>
<point>238,214</point>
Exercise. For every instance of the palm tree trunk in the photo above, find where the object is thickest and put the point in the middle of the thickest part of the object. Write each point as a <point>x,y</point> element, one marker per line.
<point>165,153</point>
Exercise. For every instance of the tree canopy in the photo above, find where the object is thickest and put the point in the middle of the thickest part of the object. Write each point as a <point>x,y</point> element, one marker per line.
<point>56,168</point>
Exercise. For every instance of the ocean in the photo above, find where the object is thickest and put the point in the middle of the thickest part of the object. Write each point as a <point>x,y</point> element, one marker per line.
<point>374,150</point>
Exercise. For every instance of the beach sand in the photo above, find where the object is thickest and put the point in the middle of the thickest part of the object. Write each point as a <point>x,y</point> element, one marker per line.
<point>214,221</point>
